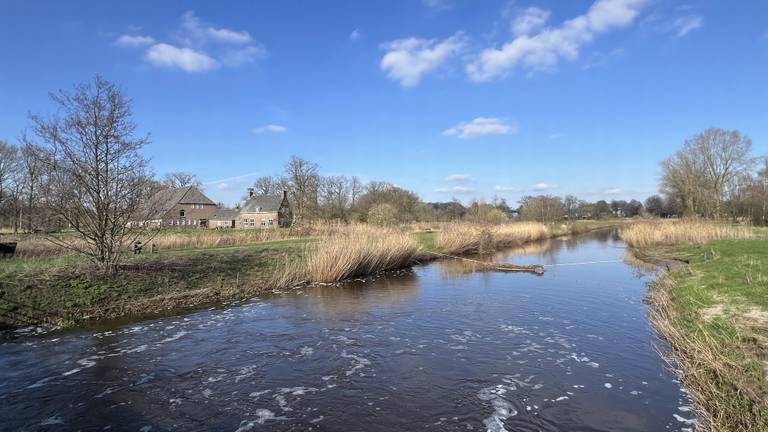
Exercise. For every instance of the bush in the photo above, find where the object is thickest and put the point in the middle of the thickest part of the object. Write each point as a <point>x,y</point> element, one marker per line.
<point>382,215</point>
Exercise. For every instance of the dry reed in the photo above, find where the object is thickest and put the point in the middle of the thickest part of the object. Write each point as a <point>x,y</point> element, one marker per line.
<point>459,238</point>
<point>670,232</point>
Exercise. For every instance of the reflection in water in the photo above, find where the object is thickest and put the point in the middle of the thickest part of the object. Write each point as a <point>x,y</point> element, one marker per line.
<point>430,348</point>
<point>364,294</point>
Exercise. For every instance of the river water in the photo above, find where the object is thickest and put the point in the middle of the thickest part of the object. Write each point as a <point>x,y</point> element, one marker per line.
<point>438,347</point>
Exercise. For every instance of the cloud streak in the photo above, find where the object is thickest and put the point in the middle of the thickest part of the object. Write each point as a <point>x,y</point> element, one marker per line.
<point>270,128</point>
<point>481,126</point>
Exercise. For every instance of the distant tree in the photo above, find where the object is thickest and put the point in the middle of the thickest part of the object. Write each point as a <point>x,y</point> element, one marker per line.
<point>303,181</point>
<point>32,173</point>
<point>602,209</point>
<point>382,215</point>
<point>571,203</point>
<point>632,208</point>
<point>654,205</point>
<point>704,171</point>
<point>96,168</point>
<point>267,185</point>
<point>179,179</point>
<point>9,167</point>
<point>543,208</point>
<point>335,197</point>
<point>405,202</point>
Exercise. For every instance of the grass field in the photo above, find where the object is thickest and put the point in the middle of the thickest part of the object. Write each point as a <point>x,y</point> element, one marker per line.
<point>714,314</point>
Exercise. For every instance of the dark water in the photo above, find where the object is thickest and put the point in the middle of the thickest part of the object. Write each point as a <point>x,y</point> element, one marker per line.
<point>434,348</point>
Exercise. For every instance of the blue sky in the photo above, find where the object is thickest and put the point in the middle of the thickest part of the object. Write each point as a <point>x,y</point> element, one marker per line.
<point>445,97</point>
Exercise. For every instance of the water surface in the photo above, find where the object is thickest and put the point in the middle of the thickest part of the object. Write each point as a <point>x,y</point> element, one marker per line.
<point>438,347</point>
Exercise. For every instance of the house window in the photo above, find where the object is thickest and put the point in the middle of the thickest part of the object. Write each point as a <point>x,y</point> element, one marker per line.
<point>181,213</point>
<point>263,222</point>
<point>271,222</point>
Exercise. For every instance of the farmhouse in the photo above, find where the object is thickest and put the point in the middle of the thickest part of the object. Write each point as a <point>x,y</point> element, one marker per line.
<point>181,207</point>
<point>265,211</point>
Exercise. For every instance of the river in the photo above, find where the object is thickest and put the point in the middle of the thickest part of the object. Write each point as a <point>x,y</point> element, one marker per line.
<point>437,347</point>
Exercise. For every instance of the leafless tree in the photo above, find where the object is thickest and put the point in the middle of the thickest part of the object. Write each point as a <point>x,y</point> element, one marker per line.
<point>32,171</point>
<point>704,171</point>
<point>267,185</point>
<point>303,180</point>
<point>178,179</point>
<point>100,178</point>
<point>335,196</point>
<point>9,167</point>
<point>356,189</point>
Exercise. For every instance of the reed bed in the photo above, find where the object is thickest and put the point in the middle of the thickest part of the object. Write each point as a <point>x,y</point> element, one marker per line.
<point>460,238</point>
<point>688,231</point>
<point>358,250</point>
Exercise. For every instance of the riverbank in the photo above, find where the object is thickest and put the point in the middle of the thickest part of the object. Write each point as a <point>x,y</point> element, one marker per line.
<point>67,291</point>
<point>713,312</point>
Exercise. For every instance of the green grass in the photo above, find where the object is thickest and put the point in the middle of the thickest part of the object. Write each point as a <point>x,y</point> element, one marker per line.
<point>730,272</point>
<point>427,240</point>
<point>67,290</point>
<point>723,350</point>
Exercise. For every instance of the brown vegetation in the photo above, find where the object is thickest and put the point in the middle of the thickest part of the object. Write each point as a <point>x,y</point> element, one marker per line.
<point>650,233</point>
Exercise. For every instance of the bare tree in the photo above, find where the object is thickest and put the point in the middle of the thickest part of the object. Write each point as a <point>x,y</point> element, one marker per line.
<point>335,196</point>
<point>570,202</point>
<point>267,185</point>
<point>9,166</point>
<point>32,170</point>
<point>178,179</point>
<point>705,170</point>
<point>356,189</point>
<point>303,180</point>
<point>99,176</point>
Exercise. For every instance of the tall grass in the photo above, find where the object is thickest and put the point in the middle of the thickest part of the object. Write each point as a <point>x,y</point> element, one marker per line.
<point>688,231</point>
<point>357,250</point>
<point>459,238</point>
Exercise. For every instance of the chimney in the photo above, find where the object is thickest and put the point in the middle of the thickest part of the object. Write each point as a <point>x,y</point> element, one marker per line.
<point>250,192</point>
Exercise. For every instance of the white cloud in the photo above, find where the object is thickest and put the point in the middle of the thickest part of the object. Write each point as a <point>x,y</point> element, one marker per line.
<point>186,59</point>
<point>437,5</point>
<point>543,186</point>
<point>537,187</point>
<point>134,41</point>
<point>687,24</point>
<point>223,187</point>
<point>481,126</point>
<point>455,190</point>
<point>509,189</point>
<point>458,177</point>
<point>543,50</point>
<point>530,20</point>
<point>407,60</point>
<point>193,28</point>
<point>198,47</point>
<point>270,128</point>
<point>355,35</point>
<point>612,191</point>
<point>240,56</point>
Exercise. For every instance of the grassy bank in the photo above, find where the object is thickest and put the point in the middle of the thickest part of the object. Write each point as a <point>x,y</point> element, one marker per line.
<point>64,289</point>
<point>714,314</point>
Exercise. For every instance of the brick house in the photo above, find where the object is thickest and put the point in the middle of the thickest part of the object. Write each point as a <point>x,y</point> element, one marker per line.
<point>265,211</point>
<point>181,207</point>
